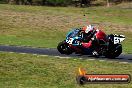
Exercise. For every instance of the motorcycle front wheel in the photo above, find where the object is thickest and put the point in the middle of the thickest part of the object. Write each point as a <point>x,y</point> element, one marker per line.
<point>64,48</point>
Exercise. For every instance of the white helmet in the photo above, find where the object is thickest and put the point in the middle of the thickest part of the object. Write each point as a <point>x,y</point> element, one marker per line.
<point>88,28</point>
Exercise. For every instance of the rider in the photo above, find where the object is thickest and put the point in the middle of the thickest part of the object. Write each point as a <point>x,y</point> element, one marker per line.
<point>91,34</point>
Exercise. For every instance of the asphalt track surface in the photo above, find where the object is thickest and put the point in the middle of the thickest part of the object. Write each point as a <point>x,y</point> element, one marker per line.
<point>54,52</point>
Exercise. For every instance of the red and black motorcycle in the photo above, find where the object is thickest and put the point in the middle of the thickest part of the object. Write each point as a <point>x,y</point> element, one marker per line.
<point>105,45</point>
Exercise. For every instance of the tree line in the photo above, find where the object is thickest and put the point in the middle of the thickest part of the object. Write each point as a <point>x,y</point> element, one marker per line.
<point>80,3</point>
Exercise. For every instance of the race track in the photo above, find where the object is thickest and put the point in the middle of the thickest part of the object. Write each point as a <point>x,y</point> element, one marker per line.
<point>54,52</point>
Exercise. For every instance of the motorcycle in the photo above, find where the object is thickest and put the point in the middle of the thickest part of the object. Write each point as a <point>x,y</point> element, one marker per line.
<point>110,47</point>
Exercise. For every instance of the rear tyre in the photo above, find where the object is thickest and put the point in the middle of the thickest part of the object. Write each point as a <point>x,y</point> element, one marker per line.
<point>64,48</point>
<point>115,51</point>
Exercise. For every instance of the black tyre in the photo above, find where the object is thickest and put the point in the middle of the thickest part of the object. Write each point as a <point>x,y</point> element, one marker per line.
<point>81,80</point>
<point>115,51</point>
<point>64,48</point>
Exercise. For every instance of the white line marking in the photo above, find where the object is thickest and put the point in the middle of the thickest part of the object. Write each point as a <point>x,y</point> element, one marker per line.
<point>61,57</point>
<point>11,52</point>
<point>57,56</point>
<point>74,59</point>
<point>123,62</point>
<point>65,57</point>
<point>44,55</point>
<point>80,58</point>
<point>101,60</point>
<point>91,59</point>
<point>35,54</point>
<point>31,54</point>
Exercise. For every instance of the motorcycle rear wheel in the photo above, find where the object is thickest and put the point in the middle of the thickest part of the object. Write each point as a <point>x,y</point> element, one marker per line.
<point>115,51</point>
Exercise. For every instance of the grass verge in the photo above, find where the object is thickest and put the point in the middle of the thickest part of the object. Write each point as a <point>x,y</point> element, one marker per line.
<point>29,71</point>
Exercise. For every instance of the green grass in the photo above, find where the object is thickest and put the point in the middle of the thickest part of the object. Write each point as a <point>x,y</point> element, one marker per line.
<point>20,41</point>
<point>41,26</point>
<point>29,71</point>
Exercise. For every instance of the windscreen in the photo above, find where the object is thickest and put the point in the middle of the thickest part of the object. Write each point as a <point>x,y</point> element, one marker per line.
<point>73,33</point>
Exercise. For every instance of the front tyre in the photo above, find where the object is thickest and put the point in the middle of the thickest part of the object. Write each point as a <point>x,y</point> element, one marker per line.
<point>115,51</point>
<point>64,48</point>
